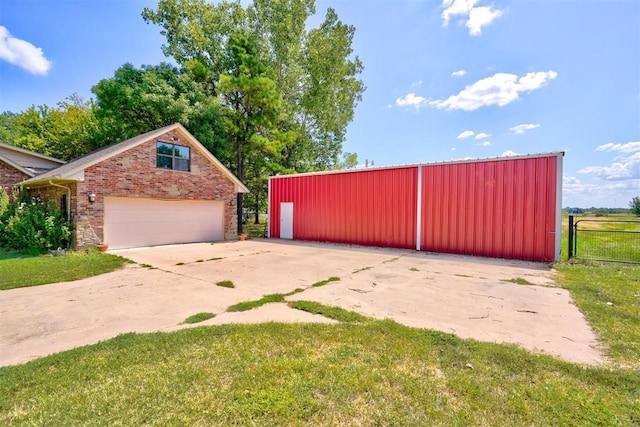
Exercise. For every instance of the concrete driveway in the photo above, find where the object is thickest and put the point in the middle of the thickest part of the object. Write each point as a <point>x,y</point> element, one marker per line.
<point>466,296</point>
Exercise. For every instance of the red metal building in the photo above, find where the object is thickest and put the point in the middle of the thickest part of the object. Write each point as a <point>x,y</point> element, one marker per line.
<point>507,207</point>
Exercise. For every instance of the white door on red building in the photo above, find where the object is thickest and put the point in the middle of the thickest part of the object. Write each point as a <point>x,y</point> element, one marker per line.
<point>286,220</point>
<point>134,222</point>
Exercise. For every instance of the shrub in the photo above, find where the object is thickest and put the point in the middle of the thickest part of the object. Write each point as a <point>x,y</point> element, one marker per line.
<point>4,201</point>
<point>33,226</point>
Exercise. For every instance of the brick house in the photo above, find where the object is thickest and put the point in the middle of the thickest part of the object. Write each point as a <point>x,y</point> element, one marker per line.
<point>18,164</point>
<point>161,187</point>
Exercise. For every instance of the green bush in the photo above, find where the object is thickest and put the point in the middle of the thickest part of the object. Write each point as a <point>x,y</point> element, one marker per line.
<point>4,201</point>
<point>28,224</point>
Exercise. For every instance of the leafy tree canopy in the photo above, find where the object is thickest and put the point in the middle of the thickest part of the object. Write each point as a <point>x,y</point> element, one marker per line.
<point>252,112</point>
<point>135,101</point>
<point>66,131</point>
<point>263,91</point>
<point>314,70</point>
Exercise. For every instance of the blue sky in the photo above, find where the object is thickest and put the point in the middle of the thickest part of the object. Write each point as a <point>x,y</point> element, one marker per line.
<point>446,79</point>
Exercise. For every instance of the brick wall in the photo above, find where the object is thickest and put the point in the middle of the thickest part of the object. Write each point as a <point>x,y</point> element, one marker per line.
<point>10,176</point>
<point>134,174</point>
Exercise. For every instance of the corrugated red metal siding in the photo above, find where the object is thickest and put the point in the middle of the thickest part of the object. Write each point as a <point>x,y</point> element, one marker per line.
<point>376,207</point>
<point>503,208</point>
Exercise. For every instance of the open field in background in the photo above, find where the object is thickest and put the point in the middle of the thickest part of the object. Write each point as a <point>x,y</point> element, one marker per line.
<point>601,239</point>
<point>600,222</point>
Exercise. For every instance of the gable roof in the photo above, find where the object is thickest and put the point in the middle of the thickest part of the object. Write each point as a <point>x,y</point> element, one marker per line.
<point>28,162</point>
<point>74,170</point>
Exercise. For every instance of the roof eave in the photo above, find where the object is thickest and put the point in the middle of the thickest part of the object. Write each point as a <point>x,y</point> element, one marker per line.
<point>31,153</point>
<point>16,166</point>
<point>77,173</point>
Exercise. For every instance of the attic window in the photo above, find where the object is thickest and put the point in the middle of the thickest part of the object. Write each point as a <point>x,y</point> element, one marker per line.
<point>172,156</point>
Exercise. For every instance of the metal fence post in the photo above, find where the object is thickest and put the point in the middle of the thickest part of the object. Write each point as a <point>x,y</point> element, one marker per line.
<point>570,253</point>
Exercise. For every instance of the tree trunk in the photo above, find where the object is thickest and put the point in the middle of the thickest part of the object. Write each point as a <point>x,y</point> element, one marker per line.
<point>240,175</point>
<point>239,212</point>
<point>256,211</point>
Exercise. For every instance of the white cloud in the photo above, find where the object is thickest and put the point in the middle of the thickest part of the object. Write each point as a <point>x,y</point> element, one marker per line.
<point>416,84</point>
<point>479,17</point>
<point>573,186</point>
<point>475,17</point>
<point>458,73</point>
<point>612,185</point>
<point>466,134</point>
<point>482,135</point>
<point>500,89</point>
<point>599,193</point>
<point>411,100</point>
<point>522,128</point>
<point>625,166</point>
<point>622,168</point>
<point>629,147</point>
<point>483,144</point>
<point>22,54</point>
<point>456,7</point>
<point>569,182</point>
<point>509,153</point>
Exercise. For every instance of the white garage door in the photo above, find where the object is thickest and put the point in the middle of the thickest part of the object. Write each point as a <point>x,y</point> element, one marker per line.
<point>132,222</point>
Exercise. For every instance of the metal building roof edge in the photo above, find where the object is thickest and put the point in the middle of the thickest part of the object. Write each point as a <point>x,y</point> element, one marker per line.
<point>414,165</point>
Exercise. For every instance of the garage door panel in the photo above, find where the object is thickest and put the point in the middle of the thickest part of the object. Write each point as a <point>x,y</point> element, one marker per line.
<point>133,222</point>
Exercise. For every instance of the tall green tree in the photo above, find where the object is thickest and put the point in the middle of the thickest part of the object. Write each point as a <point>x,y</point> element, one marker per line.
<point>314,70</point>
<point>66,131</point>
<point>634,204</point>
<point>252,106</point>
<point>260,164</point>
<point>135,101</point>
<point>74,127</point>
<point>8,130</point>
<point>29,129</point>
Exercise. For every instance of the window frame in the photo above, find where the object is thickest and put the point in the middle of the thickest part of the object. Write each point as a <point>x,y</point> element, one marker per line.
<point>175,156</point>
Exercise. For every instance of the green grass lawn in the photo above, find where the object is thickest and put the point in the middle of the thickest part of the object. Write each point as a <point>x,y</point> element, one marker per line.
<point>360,371</point>
<point>373,373</point>
<point>17,271</point>
<point>609,296</point>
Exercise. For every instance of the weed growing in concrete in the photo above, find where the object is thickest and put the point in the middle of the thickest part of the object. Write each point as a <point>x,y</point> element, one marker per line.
<point>226,284</point>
